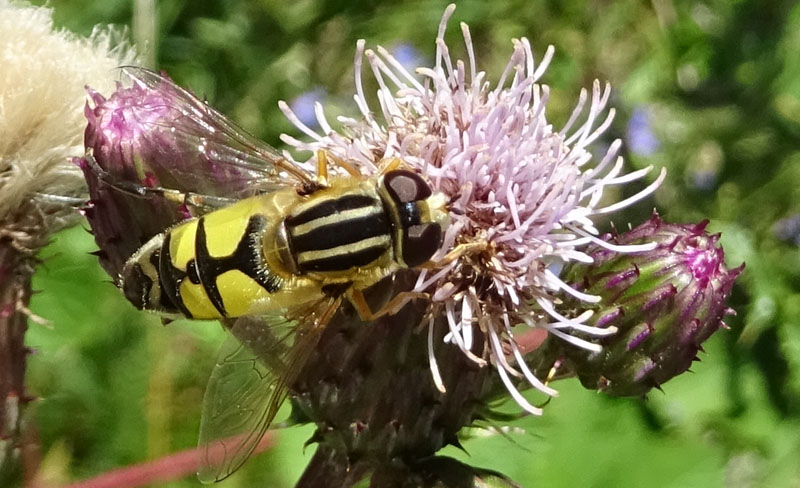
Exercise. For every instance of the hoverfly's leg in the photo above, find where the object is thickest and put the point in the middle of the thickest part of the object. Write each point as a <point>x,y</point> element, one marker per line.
<point>456,253</point>
<point>107,178</point>
<point>205,203</point>
<point>322,167</point>
<point>191,200</point>
<point>345,166</point>
<point>393,306</point>
<point>391,165</point>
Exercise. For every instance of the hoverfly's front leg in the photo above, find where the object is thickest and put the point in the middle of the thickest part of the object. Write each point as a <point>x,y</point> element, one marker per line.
<point>190,199</point>
<point>322,166</point>
<point>391,165</point>
<point>393,306</point>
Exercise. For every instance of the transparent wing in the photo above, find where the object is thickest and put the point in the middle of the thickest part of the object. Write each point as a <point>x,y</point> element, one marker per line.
<point>250,381</point>
<point>224,150</point>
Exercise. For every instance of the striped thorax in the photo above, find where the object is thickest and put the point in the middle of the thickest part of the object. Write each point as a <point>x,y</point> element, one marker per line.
<point>279,249</point>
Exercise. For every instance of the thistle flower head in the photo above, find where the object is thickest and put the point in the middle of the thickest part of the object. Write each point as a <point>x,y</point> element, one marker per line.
<point>522,193</point>
<point>142,134</point>
<point>147,135</point>
<point>664,302</point>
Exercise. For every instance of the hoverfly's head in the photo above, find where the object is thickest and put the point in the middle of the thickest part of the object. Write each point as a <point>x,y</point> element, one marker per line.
<point>419,216</point>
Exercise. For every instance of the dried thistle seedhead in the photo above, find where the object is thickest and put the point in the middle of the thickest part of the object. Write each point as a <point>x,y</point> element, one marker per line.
<point>42,81</point>
<point>42,95</point>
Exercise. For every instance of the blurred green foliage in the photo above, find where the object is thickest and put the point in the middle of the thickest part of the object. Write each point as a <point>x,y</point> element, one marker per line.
<point>710,90</point>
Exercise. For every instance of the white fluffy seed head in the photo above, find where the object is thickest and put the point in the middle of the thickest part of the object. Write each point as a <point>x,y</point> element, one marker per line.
<point>42,96</point>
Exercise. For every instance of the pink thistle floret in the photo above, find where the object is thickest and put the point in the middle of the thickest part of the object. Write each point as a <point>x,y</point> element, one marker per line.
<point>522,193</point>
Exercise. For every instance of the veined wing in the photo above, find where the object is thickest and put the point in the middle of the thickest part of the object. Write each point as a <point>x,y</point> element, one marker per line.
<point>250,381</point>
<point>221,150</point>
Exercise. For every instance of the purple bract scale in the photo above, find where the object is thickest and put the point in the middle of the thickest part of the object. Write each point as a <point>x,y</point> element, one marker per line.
<point>642,332</point>
<point>623,277</point>
<point>608,318</point>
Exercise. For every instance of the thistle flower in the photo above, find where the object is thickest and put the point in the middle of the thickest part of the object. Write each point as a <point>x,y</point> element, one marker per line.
<point>664,304</point>
<point>522,196</point>
<point>523,193</point>
<point>42,75</point>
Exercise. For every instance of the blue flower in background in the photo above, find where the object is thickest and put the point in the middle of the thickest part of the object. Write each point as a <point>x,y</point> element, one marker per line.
<point>640,137</point>
<point>704,180</point>
<point>408,56</point>
<point>788,229</point>
<point>303,106</point>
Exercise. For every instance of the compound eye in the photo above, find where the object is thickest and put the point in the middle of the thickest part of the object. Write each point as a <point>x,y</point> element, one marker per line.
<point>406,186</point>
<point>420,242</point>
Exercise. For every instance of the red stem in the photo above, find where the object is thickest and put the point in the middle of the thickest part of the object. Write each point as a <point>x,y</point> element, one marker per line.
<point>168,468</point>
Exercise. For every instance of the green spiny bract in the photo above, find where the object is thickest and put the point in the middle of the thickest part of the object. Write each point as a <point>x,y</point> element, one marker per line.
<point>664,303</point>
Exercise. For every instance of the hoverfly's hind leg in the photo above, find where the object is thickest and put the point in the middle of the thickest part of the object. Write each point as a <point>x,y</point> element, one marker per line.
<point>391,307</point>
<point>204,203</point>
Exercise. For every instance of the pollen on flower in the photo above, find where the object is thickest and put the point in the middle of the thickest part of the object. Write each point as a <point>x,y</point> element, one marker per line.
<point>522,193</point>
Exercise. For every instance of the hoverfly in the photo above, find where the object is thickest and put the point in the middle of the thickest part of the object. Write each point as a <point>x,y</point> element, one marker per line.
<point>277,264</point>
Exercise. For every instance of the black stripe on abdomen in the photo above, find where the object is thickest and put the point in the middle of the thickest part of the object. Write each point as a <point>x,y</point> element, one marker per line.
<point>247,258</point>
<point>171,278</point>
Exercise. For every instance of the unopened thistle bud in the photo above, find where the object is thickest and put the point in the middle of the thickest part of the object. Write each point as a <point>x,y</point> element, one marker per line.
<point>664,304</point>
<point>144,136</point>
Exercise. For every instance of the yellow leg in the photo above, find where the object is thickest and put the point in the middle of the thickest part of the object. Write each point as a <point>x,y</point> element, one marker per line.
<point>392,165</point>
<point>322,167</point>
<point>456,253</point>
<point>345,165</point>
<point>552,373</point>
<point>201,203</point>
<point>394,305</point>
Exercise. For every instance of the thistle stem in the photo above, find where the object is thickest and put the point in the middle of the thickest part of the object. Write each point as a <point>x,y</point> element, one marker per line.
<point>16,270</point>
<point>168,468</point>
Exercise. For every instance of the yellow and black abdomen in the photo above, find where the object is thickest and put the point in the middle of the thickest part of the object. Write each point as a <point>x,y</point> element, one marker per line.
<point>210,267</point>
